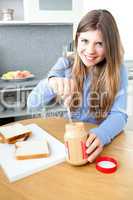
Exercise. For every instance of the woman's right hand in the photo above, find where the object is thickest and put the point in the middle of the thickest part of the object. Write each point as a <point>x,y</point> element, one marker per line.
<point>63,87</point>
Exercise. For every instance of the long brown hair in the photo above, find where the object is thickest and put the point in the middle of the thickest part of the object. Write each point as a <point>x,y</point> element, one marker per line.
<point>105,76</point>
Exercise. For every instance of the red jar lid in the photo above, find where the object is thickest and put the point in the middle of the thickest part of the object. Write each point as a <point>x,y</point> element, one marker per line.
<point>106,164</point>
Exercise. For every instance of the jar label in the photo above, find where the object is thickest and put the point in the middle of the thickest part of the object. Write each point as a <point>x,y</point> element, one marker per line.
<point>67,149</point>
<point>83,146</point>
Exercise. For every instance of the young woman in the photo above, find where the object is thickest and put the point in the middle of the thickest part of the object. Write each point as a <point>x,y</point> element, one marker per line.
<point>93,83</point>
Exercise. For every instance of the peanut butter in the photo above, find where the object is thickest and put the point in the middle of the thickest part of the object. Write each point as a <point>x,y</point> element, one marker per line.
<point>75,141</point>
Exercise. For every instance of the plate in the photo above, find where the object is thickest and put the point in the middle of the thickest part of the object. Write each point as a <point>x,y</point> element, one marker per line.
<point>19,79</point>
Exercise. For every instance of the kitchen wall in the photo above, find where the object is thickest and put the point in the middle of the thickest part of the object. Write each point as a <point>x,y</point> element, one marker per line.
<point>32,47</point>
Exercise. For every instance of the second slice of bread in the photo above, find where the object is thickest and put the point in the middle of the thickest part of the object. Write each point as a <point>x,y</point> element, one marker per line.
<point>15,132</point>
<point>31,149</point>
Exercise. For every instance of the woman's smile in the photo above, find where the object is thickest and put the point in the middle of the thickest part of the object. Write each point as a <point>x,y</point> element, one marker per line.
<point>90,58</point>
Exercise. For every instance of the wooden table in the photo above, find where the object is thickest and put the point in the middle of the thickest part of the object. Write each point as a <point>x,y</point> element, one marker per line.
<point>66,182</point>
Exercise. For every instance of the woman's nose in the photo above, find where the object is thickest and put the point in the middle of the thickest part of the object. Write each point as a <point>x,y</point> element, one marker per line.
<point>90,49</point>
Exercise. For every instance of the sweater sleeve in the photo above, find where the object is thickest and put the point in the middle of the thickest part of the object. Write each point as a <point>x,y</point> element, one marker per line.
<point>117,118</point>
<point>42,94</point>
<point>61,68</point>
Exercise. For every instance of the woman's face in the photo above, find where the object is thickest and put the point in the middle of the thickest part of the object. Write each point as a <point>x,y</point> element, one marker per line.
<point>91,48</point>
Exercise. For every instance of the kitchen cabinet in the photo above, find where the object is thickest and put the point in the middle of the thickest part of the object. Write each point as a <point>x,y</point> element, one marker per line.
<point>43,11</point>
<point>51,11</point>
<point>13,98</point>
<point>13,102</point>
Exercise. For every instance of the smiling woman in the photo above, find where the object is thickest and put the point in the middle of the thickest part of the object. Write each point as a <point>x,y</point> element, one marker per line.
<point>92,83</point>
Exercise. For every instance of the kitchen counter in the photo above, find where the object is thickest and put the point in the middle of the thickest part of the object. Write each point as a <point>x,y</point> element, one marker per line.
<point>18,83</point>
<point>65,182</point>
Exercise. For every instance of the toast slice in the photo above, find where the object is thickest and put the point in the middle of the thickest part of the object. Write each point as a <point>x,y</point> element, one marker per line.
<point>31,149</point>
<point>13,133</point>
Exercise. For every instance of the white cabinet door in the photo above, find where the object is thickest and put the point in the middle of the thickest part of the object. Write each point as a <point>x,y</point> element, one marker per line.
<point>56,12</point>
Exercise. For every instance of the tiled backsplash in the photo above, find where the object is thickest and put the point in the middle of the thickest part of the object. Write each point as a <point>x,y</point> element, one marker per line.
<point>32,47</point>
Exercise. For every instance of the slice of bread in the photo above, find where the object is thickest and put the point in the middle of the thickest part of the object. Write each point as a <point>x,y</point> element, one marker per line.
<point>12,133</point>
<point>31,149</point>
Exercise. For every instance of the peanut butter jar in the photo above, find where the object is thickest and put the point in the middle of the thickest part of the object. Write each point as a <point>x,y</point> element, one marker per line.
<point>75,142</point>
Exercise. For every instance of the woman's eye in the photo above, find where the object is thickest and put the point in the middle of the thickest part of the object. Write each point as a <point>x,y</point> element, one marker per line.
<point>99,44</point>
<point>84,41</point>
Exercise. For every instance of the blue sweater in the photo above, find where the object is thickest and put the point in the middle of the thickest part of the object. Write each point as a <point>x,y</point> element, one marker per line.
<point>116,118</point>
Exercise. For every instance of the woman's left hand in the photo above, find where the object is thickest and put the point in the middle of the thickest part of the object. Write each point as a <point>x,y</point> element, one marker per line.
<point>94,147</point>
